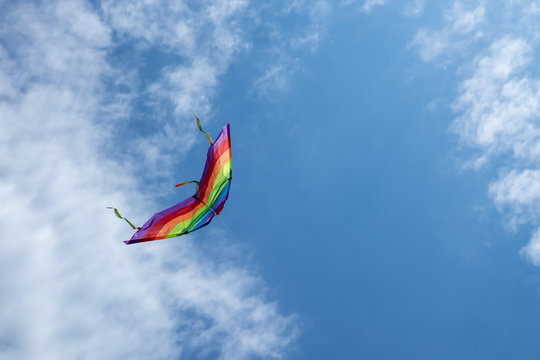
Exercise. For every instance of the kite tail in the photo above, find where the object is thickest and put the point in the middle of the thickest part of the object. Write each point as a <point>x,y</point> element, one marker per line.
<point>121,217</point>
<point>189,182</point>
<point>200,128</point>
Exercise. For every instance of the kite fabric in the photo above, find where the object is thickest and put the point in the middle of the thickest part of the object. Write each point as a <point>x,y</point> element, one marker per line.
<point>198,210</point>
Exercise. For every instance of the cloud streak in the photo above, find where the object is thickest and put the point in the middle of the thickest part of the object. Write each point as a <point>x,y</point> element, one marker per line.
<point>460,29</point>
<point>370,4</point>
<point>414,8</point>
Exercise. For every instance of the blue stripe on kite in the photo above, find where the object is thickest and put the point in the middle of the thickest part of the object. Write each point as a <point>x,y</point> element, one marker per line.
<point>223,193</point>
<point>203,220</point>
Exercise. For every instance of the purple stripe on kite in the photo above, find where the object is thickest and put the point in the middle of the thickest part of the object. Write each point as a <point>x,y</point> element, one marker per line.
<point>222,135</point>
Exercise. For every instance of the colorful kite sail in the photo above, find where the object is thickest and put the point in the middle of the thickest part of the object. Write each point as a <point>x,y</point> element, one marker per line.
<point>198,210</point>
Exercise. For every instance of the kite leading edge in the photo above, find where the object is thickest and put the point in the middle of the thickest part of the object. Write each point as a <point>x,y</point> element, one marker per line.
<point>197,211</point>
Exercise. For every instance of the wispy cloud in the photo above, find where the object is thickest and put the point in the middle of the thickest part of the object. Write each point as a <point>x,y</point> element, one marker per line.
<point>414,8</point>
<point>498,104</point>
<point>498,107</point>
<point>461,28</point>
<point>517,192</point>
<point>317,13</point>
<point>274,78</point>
<point>70,288</point>
<point>370,4</point>
<point>202,40</point>
<point>531,251</point>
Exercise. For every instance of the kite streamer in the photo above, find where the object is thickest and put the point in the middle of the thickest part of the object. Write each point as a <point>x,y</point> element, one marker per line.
<point>198,210</point>
<point>201,129</point>
<point>121,217</point>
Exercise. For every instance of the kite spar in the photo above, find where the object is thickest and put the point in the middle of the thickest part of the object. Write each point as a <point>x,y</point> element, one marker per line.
<point>197,211</point>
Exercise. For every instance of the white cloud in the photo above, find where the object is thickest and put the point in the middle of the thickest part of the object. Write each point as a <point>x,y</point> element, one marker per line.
<point>460,29</point>
<point>275,74</point>
<point>370,4</point>
<point>430,44</point>
<point>70,288</point>
<point>204,40</point>
<point>499,109</point>
<point>464,21</point>
<point>498,104</point>
<point>531,252</point>
<point>517,188</point>
<point>518,194</point>
<point>205,37</point>
<point>276,78</point>
<point>314,32</point>
<point>414,8</point>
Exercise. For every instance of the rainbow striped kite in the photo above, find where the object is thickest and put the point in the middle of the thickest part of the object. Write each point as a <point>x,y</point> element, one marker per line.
<point>198,210</point>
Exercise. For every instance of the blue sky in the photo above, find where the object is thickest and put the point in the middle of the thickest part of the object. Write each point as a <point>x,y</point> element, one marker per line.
<point>386,183</point>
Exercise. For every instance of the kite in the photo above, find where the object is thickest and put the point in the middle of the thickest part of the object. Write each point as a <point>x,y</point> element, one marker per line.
<point>197,211</point>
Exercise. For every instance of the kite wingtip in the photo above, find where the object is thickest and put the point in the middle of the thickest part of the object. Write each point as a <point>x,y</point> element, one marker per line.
<point>127,242</point>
